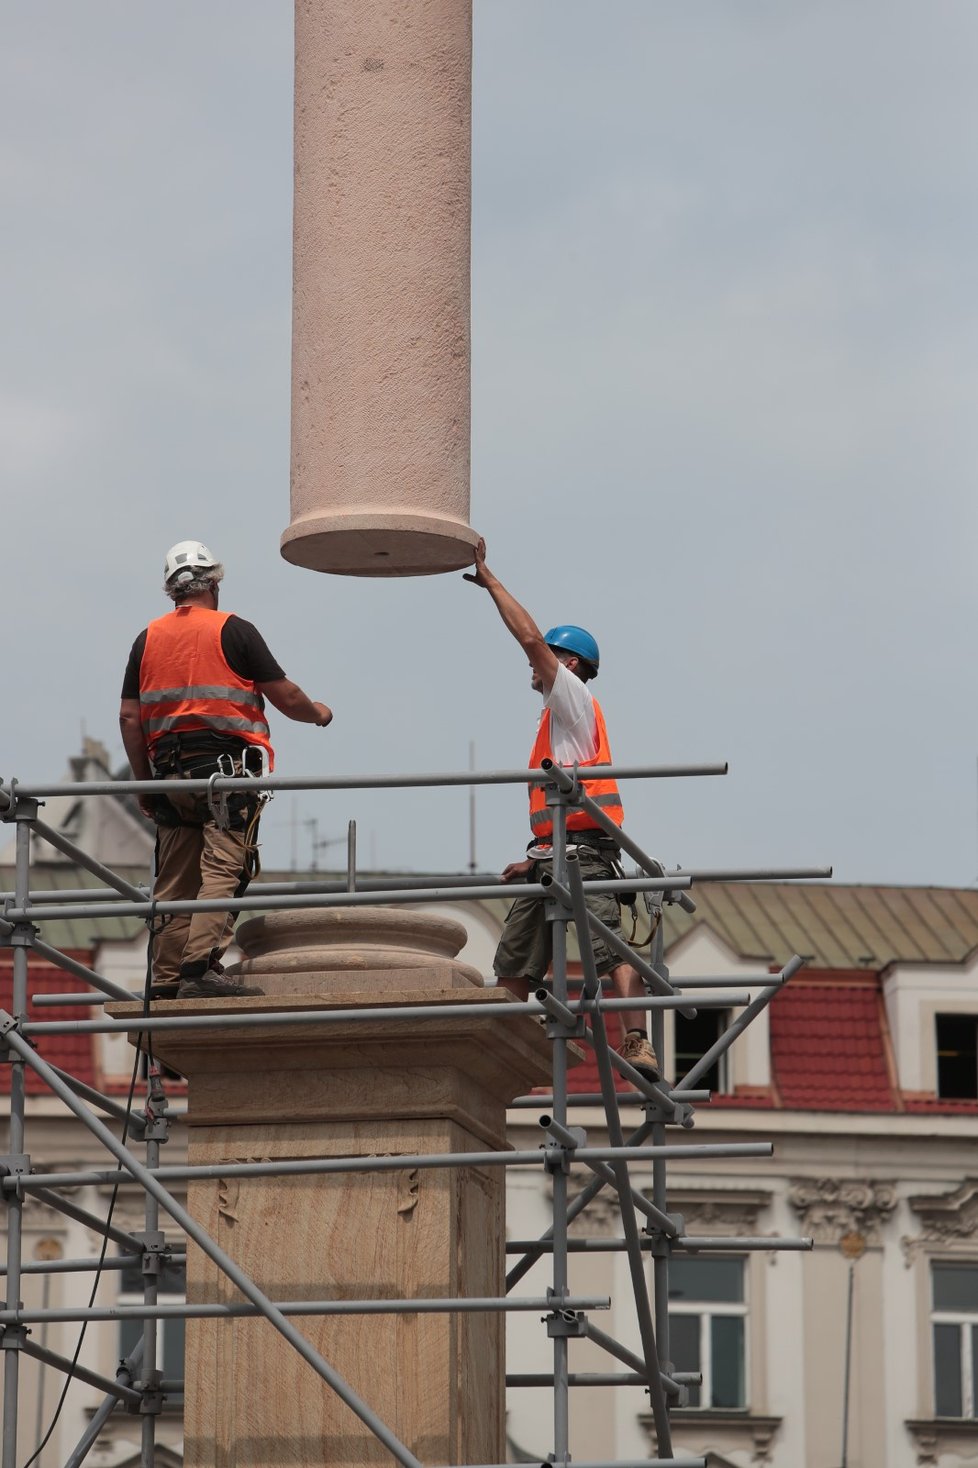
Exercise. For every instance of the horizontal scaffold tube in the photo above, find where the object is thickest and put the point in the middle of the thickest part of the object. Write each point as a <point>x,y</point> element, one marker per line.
<point>386,1164</point>
<point>51,913</point>
<point>683,1461</point>
<point>587,1006</point>
<point>155,1021</point>
<point>545,1099</point>
<point>307,1166</point>
<point>469,1305</point>
<point>358,782</point>
<point>687,1244</point>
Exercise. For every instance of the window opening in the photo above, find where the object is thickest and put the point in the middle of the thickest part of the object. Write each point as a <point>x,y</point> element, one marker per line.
<point>707,1327</point>
<point>954,1295</point>
<point>694,1038</point>
<point>957,1056</point>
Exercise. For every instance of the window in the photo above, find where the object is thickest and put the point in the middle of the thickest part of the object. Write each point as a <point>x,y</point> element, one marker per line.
<point>172,1287</point>
<point>957,1056</point>
<point>707,1324</point>
<point>693,1038</point>
<point>954,1290</point>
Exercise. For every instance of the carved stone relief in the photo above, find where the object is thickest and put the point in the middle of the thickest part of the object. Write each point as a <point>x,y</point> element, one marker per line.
<point>949,1221</point>
<point>934,1439</point>
<point>713,1212</point>
<point>832,1209</point>
<point>739,1432</point>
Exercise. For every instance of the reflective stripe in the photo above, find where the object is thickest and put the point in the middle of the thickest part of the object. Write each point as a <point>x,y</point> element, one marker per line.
<point>204,721</point>
<point>600,789</point>
<point>609,799</point>
<point>187,685</point>
<point>544,817</point>
<point>199,690</point>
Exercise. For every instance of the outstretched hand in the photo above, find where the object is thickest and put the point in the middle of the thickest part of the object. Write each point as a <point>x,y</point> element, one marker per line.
<point>480,577</point>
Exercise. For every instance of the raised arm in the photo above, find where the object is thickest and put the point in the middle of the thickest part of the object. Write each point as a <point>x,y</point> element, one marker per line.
<point>542,659</point>
<point>290,700</point>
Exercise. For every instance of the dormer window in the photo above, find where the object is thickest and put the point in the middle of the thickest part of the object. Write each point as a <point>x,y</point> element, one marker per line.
<point>957,1056</point>
<point>694,1037</point>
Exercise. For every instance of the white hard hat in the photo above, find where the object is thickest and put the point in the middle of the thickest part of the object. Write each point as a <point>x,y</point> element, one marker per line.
<point>187,555</point>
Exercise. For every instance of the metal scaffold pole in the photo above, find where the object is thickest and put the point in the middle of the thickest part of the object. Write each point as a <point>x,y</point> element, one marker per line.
<point>632,1168</point>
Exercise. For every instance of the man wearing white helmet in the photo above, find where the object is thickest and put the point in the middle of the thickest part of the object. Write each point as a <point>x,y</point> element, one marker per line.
<point>193,705</point>
<point>571,731</point>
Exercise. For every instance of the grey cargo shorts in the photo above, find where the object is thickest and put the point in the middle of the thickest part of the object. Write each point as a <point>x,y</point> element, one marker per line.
<point>526,945</point>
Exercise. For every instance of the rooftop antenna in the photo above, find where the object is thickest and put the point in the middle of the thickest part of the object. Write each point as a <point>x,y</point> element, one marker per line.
<point>318,843</point>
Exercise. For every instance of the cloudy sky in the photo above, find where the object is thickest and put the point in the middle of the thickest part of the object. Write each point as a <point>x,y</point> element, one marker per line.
<point>725,360</point>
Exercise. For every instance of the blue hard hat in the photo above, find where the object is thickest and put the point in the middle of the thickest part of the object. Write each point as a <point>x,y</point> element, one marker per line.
<point>575,640</point>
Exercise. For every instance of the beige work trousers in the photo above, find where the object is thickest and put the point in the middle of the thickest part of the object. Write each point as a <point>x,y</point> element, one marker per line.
<point>198,860</point>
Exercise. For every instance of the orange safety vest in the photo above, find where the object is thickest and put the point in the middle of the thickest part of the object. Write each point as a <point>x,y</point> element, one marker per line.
<point>602,792</point>
<point>186,682</point>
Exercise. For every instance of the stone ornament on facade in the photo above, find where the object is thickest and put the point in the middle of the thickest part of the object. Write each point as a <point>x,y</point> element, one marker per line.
<point>949,1221</point>
<point>717,1212</point>
<point>739,1432</point>
<point>933,1440</point>
<point>832,1209</point>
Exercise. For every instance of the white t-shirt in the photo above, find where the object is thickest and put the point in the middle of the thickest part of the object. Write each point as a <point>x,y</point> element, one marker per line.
<point>573,726</point>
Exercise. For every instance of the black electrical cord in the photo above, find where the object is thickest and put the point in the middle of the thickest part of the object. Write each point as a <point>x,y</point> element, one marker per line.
<point>70,1374</point>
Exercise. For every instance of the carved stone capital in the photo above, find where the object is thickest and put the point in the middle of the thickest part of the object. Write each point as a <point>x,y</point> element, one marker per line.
<point>934,1438</point>
<point>719,1212</point>
<point>832,1208</point>
<point>739,1432</point>
<point>948,1221</point>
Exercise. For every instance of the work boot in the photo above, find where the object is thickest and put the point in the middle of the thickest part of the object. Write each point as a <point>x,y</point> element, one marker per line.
<point>165,990</point>
<point>635,1048</point>
<point>214,986</point>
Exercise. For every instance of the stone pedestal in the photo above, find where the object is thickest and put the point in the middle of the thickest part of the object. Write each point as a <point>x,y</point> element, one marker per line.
<point>378,948</point>
<point>380,332</point>
<point>351,1088</point>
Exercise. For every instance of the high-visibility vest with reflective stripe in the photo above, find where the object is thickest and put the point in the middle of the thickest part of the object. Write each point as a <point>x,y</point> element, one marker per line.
<point>186,683</point>
<point>602,792</point>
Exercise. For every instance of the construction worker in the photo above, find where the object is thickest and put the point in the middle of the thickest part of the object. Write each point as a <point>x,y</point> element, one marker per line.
<point>571,731</point>
<point>193,705</point>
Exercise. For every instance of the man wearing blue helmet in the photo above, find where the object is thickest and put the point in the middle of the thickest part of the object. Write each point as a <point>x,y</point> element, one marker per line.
<point>572,732</point>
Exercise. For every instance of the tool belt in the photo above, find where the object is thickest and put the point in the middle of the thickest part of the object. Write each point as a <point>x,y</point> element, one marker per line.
<point>197,756</point>
<point>594,840</point>
<point>588,839</point>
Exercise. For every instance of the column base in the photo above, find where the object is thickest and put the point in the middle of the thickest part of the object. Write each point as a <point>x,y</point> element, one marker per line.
<point>379,543</point>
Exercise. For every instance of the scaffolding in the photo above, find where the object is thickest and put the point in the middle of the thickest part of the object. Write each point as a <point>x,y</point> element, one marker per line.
<point>647,1227</point>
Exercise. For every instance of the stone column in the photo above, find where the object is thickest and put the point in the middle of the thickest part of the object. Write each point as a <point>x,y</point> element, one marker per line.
<point>380,331</point>
<point>376,1087</point>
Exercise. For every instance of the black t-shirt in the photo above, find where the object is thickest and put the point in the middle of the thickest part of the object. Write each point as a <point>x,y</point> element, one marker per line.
<point>241,643</point>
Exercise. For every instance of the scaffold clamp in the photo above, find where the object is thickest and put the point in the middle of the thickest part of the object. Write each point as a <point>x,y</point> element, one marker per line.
<point>14,1165</point>
<point>154,1252</point>
<point>566,1324</point>
<point>151,1404</point>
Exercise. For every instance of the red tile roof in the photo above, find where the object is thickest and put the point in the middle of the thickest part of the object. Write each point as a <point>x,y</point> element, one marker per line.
<point>830,1051</point>
<point>73,1053</point>
<point>829,1047</point>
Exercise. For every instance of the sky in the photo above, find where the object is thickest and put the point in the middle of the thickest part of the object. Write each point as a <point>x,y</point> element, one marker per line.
<point>724,368</point>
